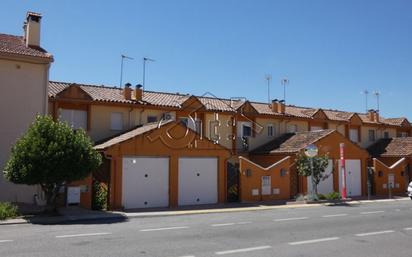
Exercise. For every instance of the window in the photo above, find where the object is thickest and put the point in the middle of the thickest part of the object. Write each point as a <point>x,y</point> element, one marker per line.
<point>292,128</point>
<point>151,119</point>
<point>386,134</point>
<point>403,134</point>
<point>271,131</point>
<point>214,130</point>
<point>372,136</point>
<point>184,121</point>
<point>116,121</point>
<point>354,135</point>
<point>75,118</point>
<point>315,128</point>
<point>246,131</point>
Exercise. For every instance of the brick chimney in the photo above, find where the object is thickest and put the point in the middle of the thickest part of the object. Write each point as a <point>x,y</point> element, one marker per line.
<point>373,115</point>
<point>278,106</point>
<point>127,91</point>
<point>32,29</point>
<point>139,92</point>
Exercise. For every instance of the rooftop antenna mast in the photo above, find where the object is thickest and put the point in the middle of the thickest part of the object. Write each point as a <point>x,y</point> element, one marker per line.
<point>284,83</point>
<point>145,59</point>
<point>268,77</point>
<point>377,95</point>
<point>121,68</point>
<point>366,92</point>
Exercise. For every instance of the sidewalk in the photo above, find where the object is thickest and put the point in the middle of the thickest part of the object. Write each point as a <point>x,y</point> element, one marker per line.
<point>76,215</point>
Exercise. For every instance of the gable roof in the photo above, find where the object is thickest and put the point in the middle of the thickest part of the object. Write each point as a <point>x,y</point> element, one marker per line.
<point>392,147</point>
<point>115,94</point>
<point>292,142</point>
<point>211,103</point>
<point>15,45</point>
<point>130,134</point>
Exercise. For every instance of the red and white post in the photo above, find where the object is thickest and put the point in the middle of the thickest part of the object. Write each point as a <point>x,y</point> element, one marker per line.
<point>343,169</point>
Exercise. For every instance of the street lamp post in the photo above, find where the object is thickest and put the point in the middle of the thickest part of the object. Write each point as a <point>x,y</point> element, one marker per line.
<point>311,151</point>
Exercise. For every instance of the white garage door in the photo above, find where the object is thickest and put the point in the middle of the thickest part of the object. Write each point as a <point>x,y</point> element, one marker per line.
<point>145,182</point>
<point>353,178</point>
<point>197,181</point>
<point>325,186</point>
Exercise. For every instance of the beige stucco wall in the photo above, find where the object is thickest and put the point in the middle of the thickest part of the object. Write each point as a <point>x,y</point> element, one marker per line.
<point>338,127</point>
<point>365,136</point>
<point>261,136</point>
<point>302,126</point>
<point>224,129</point>
<point>100,122</point>
<point>22,96</point>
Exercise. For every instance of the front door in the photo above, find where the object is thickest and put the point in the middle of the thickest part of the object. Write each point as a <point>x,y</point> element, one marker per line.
<point>266,185</point>
<point>232,182</point>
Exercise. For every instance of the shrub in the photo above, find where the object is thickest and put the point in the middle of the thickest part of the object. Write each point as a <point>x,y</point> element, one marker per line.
<point>333,196</point>
<point>7,210</point>
<point>321,197</point>
<point>99,196</point>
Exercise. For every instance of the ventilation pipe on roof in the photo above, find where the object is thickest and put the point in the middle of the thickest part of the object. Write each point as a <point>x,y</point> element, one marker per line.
<point>31,29</point>
<point>127,91</point>
<point>139,92</point>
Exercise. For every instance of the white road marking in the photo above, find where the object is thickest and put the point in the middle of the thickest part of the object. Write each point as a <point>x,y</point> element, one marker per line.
<point>243,250</point>
<point>223,224</point>
<point>407,229</point>
<point>314,241</point>
<point>5,241</point>
<point>230,224</point>
<point>160,229</point>
<point>188,256</point>
<point>81,235</point>
<point>289,219</point>
<point>375,233</point>
<point>371,212</point>
<point>397,209</point>
<point>335,215</point>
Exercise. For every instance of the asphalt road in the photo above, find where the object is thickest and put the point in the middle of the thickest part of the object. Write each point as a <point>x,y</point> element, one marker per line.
<point>375,229</point>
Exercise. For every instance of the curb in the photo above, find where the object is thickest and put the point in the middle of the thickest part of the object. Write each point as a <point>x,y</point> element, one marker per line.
<point>126,216</point>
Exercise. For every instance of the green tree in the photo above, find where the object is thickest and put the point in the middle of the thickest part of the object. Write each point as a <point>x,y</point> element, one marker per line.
<point>304,167</point>
<point>51,154</point>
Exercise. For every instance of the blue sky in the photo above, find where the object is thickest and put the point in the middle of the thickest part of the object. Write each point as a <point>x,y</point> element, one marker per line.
<point>329,50</point>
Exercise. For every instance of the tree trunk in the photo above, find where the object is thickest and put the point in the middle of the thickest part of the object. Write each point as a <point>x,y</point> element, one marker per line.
<point>51,192</point>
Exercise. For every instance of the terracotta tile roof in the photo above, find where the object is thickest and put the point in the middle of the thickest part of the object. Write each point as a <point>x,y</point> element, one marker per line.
<point>219,104</point>
<point>396,121</point>
<point>338,115</point>
<point>392,147</point>
<point>175,100</point>
<point>124,136</point>
<point>10,44</point>
<point>114,94</point>
<point>292,142</point>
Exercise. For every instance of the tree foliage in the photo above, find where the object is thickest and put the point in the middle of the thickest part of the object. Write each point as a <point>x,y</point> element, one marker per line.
<point>51,154</point>
<point>320,163</point>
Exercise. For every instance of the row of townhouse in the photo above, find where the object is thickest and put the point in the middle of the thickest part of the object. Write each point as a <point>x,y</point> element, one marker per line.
<point>169,149</point>
<point>255,135</point>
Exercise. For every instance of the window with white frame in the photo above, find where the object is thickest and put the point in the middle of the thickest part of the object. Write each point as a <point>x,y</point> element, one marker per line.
<point>271,130</point>
<point>372,135</point>
<point>354,135</point>
<point>75,118</point>
<point>116,121</point>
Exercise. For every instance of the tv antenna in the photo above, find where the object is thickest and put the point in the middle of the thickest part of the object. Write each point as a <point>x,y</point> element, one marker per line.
<point>284,82</point>
<point>121,67</point>
<point>268,77</point>
<point>145,59</point>
<point>377,95</point>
